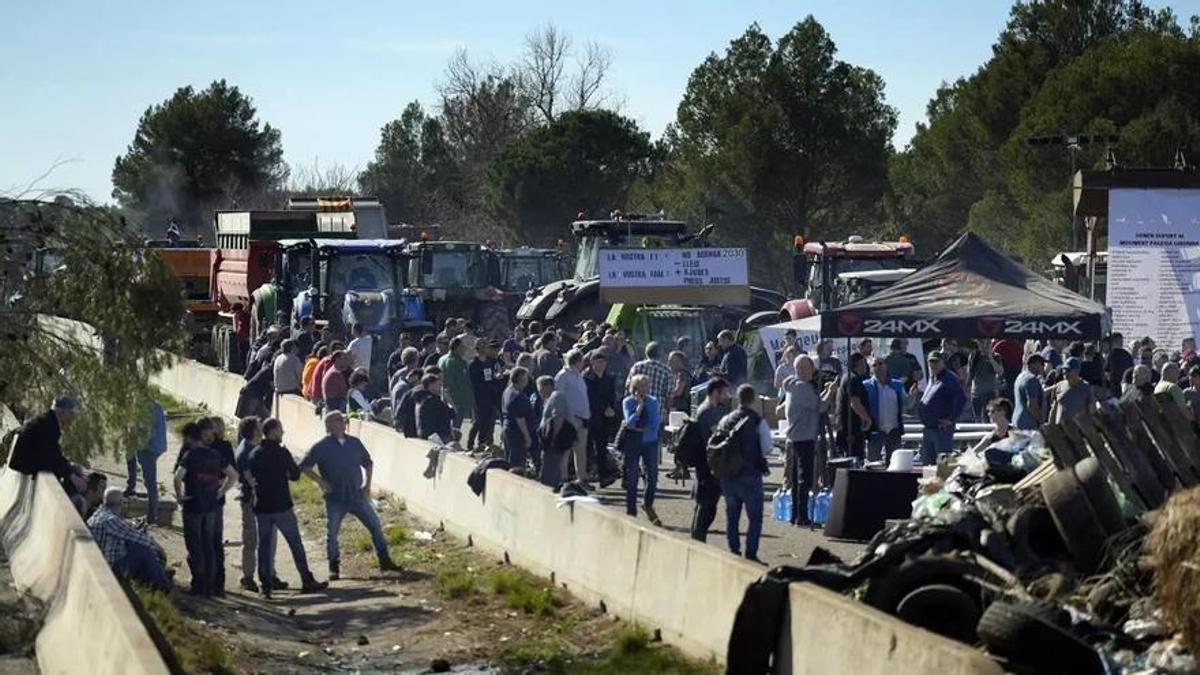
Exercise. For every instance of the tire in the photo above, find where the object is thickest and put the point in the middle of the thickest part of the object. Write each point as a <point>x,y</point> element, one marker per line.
<point>891,589</point>
<point>1025,634</point>
<point>943,609</point>
<point>1094,482</point>
<point>1034,536</point>
<point>493,320</point>
<point>1076,519</point>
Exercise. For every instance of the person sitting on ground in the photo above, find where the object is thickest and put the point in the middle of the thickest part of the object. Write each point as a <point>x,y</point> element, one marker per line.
<point>341,461</point>
<point>359,381</point>
<point>433,415</point>
<point>130,552</point>
<point>93,495</point>
<point>271,468</point>
<point>1000,412</point>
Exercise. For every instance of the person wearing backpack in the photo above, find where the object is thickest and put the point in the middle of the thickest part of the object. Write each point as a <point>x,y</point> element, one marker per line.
<point>706,489</point>
<point>148,456</point>
<point>638,440</point>
<point>737,454</point>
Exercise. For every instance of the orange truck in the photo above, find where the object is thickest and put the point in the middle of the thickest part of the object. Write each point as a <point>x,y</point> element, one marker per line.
<point>193,268</point>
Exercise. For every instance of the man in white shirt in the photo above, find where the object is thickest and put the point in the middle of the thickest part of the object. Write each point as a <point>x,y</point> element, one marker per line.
<point>287,369</point>
<point>360,347</point>
<point>570,383</point>
<point>885,406</point>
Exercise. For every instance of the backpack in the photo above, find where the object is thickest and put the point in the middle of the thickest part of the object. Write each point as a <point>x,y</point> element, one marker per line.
<point>691,448</point>
<point>725,452</point>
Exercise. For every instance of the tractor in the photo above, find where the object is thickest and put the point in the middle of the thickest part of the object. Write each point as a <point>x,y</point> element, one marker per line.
<point>570,301</point>
<point>834,273</point>
<point>459,279</point>
<point>524,269</point>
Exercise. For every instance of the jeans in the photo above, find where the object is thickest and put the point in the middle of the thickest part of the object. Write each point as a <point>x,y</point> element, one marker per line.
<point>249,540</point>
<point>745,490</point>
<point>199,536</point>
<point>141,563</point>
<point>647,452</point>
<point>336,510</point>
<point>799,478</point>
<point>703,515</point>
<point>285,522</point>
<point>598,437</point>
<point>514,448</point>
<point>484,425</point>
<point>979,405</point>
<point>878,442</point>
<point>936,442</point>
<point>149,464</point>
<point>579,450</point>
<point>219,548</point>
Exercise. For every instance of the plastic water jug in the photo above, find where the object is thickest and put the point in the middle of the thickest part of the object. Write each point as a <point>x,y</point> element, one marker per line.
<point>812,506</point>
<point>788,504</point>
<point>821,512</point>
<point>779,504</point>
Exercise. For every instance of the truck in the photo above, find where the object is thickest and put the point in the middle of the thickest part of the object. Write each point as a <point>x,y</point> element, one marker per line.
<point>569,301</point>
<point>243,265</point>
<point>458,279</point>
<point>365,216</point>
<point>827,271</point>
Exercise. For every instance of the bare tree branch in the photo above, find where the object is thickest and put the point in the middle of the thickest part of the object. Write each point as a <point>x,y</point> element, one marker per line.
<point>543,67</point>
<point>591,71</point>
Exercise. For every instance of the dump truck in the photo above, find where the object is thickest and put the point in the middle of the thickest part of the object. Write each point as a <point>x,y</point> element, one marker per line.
<point>364,216</point>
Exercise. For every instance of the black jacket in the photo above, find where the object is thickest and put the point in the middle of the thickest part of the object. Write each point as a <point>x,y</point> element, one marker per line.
<point>405,417</point>
<point>37,448</point>
<point>602,393</point>
<point>433,416</point>
<point>271,467</point>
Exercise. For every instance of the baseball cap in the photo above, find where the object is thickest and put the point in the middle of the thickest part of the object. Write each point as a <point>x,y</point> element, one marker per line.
<point>935,355</point>
<point>1073,363</point>
<point>64,403</point>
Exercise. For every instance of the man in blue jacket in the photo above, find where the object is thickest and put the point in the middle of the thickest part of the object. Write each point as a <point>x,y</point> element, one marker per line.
<point>941,405</point>
<point>885,405</point>
<point>148,456</point>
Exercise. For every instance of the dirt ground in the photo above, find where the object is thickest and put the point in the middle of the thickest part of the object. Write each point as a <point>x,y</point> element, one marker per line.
<point>450,603</point>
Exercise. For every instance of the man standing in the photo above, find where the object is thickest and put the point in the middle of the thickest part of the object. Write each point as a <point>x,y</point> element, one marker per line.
<point>130,552</point>
<point>1072,396</point>
<point>899,367</point>
<point>288,369</point>
<point>456,381</point>
<point>885,405</point>
<point>569,383</point>
<point>753,440</point>
<point>657,372</point>
<point>271,468</point>
<point>441,347</point>
<point>826,361</point>
<point>1192,393</point>
<point>306,339</point>
<point>249,437</point>
<point>802,405</point>
<point>360,347</point>
<point>734,363</point>
<point>941,405</point>
<point>706,489</point>
<point>854,422</point>
<point>38,446</point>
<point>983,372</point>
<point>681,383</point>
<point>1027,390</point>
<point>148,456</point>
<point>335,391</point>
<point>546,359</point>
<point>485,374</point>
<point>433,415</point>
<point>201,480</point>
<point>341,460</point>
<point>1168,383</point>
<point>602,402</point>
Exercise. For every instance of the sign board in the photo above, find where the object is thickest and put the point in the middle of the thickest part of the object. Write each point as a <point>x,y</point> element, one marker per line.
<point>684,276</point>
<point>1154,264</point>
<point>808,334</point>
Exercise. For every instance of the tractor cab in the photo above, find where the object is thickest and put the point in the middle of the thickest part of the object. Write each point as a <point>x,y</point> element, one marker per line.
<point>451,267</point>
<point>663,324</point>
<point>627,231</point>
<point>525,268</point>
<point>819,268</point>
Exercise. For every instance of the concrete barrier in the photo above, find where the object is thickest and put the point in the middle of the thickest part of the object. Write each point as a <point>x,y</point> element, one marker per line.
<point>89,627</point>
<point>688,590</point>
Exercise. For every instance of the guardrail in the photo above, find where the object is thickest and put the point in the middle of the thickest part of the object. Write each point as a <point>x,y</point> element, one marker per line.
<point>90,625</point>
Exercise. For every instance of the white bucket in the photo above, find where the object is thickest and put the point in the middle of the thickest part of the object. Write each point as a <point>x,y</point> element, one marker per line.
<point>902,460</point>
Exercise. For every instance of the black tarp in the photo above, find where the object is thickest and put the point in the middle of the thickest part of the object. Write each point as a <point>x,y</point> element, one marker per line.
<point>971,291</point>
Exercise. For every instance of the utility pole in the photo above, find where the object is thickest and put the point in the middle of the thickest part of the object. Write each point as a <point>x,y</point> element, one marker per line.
<point>1074,145</point>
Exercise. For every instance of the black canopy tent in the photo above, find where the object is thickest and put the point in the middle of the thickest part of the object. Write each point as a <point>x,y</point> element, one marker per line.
<point>971,291</point>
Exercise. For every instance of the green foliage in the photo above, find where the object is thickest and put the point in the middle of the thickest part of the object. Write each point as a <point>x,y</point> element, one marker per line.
<point>89,267</point>
<point>195,650</point>
<point>456,584</point>
<point>1061,67</point>
<point>196,151</point>
<point>776,139</point>
<point>632,651</point>
<point>583,160</point>
<point>413,170</point>
<point>523,592</point>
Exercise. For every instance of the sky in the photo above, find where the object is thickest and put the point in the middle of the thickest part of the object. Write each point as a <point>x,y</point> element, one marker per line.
<point>77,74</point>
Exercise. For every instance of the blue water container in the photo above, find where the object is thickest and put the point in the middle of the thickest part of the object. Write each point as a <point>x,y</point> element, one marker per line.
<point>824,497</point>
<point>786,508</point>
<point>812,506</point>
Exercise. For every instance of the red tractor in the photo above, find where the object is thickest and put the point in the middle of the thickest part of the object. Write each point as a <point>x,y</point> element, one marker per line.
<point>831,274</point>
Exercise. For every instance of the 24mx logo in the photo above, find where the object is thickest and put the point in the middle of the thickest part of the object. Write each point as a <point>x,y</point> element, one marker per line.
<point>1042,327</point>
<point>901,327</point>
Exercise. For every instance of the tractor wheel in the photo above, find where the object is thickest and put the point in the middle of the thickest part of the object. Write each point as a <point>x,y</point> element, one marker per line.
<point>493,320</point>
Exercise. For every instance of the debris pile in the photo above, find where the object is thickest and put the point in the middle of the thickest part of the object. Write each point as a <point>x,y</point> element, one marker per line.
<point>1073,550</point>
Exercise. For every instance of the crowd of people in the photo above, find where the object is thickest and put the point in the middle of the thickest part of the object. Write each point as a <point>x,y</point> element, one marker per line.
<point>580,407</point>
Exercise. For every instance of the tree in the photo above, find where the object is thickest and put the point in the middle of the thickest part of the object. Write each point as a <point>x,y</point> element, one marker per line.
<point>782,139</point>
<point>198,151</point>
<point>955,170</point>
<point>584,160</point>
<point>550,88</point>
<point>324,181</point>
<point>102,274</point>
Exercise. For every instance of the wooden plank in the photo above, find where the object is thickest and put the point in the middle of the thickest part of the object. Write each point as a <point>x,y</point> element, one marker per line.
<point>1140,472</point>
<point>1141,438</point>
<point>1061,448</point>
<point>1181,425</point>
<point>1185,471</point>
<point>1089,427</point>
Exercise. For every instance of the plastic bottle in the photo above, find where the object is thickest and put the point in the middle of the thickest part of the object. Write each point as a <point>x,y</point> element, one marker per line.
<point>777,504</point>
<point>786,511</point>
<point>822,509</point>
<point>812,506</point>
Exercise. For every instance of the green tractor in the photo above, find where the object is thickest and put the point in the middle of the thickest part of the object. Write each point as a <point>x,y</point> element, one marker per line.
<point>665,324</point>
<point>459,279</point>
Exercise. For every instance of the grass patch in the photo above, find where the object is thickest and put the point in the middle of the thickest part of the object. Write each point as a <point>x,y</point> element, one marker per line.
<point>170,402</point>
<point>523,593</point>
<point>306,492</point>
<point>456,584</point>
<point>195,650</point>
<point>632,651</point>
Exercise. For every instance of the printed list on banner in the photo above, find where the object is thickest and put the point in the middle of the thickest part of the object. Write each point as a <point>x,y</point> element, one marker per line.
<point>674,275</point>
<point>1154,264</point>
